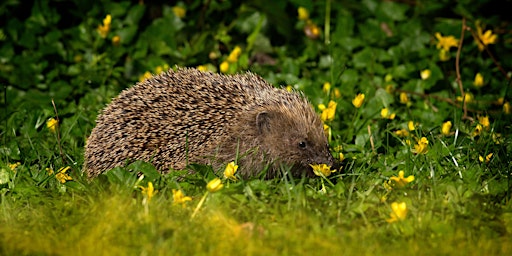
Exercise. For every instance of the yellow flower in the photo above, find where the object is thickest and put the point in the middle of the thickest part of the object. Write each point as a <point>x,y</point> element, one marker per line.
<point>214,185</point>
<point>478,130</point>
<point>327,131</point>
<point>342,157</point>
<point>61,175</point>
<point>445,128</point>
<point>326,87</point>
<point>484,121</point>
<point>233,55</point>
<point>224,67</point>
<point>303,13</point>
<point>404,99</point>
<point>179,198</point>
<point>425,74</point>
<point>486,38</point>
<point>162,68</point>
<point>145,76</point>
<point>116,40</point>
<point>358,100</point>
<point>468,97</point>
<point>311,30</point>
<point>400,181</point>
<point>52,124</point>
<point>411,126</point>
<point>506,107</point>
<point>422,146</point>
<point>328,113</point>
<point>229,172</point>
<point>322,169</point>
<point>384,113</point>
<point>202,68</point>
<point>179,11</point>
<point>496,137</point>
<point>388,78</point>
<point>402,133</point>
<point>446,42</point>
<point>479,80</point>
<point>337,93</point>
<point>149,192</point>
<point>13,166</point>
<point>487,158</point>
<point>444,55</point>
<point>398,212</point>
<point>289,88</point>
<point>103,29</point>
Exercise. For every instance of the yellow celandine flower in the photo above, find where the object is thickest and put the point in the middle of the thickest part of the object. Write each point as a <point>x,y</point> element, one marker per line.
<point>289,88</point>
<point>486,38</point>
<point>384,113</point>
<point>479,80</point>
<point>116,40</point>
<point>337,93</point>
<point>398,212</point>
<point>411,126</point>
<point>484,121</point>
<point>358,100</point>
<point>496,138</point>
<point>329,112</point>
<point>468,97</point>
<point>425,74</point>
<point>214,185</point>
<point>506,108</point>
<point>13,166</point>
<point>487,158</point>
<point>445,128</point>
<point>233,55</point>
<point>179,198</point>
<point>402,133</point>
<point>303,13</point>
<point>422,146</point>
<point>390,88</point>
<point>179,11</point>
<point>224,67</point>
<point>444,55</point>
<point>446,42</point>
<point>478,129</point>
<point>105,28</point>
<point>341,156</point>
<point>202,68</point>
<point>145,76</point>
<point>326,88</point>
<point>388,78</point>
<point>400,181</point>
<point>312,30</point>
<point>404,99</point>
<point>52,124</point>
<point>327,131</point>
<point>322,169</point>
<point>229,172</point>
<point>149,192</point>
<point>162,68</point>
<point>61,175</point>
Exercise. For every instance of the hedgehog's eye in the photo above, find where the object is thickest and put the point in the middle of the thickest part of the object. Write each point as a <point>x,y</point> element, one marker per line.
<point>302,144</point>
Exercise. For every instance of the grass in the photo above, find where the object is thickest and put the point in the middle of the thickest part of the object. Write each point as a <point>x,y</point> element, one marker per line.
<point>57,64</point>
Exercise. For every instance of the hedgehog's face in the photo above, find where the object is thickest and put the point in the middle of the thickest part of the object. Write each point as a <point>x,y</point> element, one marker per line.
<point>294,143</point>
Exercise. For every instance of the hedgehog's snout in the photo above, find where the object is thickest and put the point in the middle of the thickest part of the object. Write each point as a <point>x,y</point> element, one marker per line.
<point>323,158</point>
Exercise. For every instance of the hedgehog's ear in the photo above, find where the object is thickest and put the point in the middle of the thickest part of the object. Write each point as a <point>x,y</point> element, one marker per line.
<point>263,122</point>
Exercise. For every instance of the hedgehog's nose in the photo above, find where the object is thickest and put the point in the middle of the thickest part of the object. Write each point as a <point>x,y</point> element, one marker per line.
<point>324,159</point>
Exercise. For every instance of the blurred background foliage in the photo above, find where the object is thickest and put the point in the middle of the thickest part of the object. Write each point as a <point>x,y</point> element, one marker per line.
<point>82,53</point>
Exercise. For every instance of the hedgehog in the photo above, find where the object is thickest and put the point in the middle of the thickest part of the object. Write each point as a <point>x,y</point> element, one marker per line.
<point>188,116</point>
